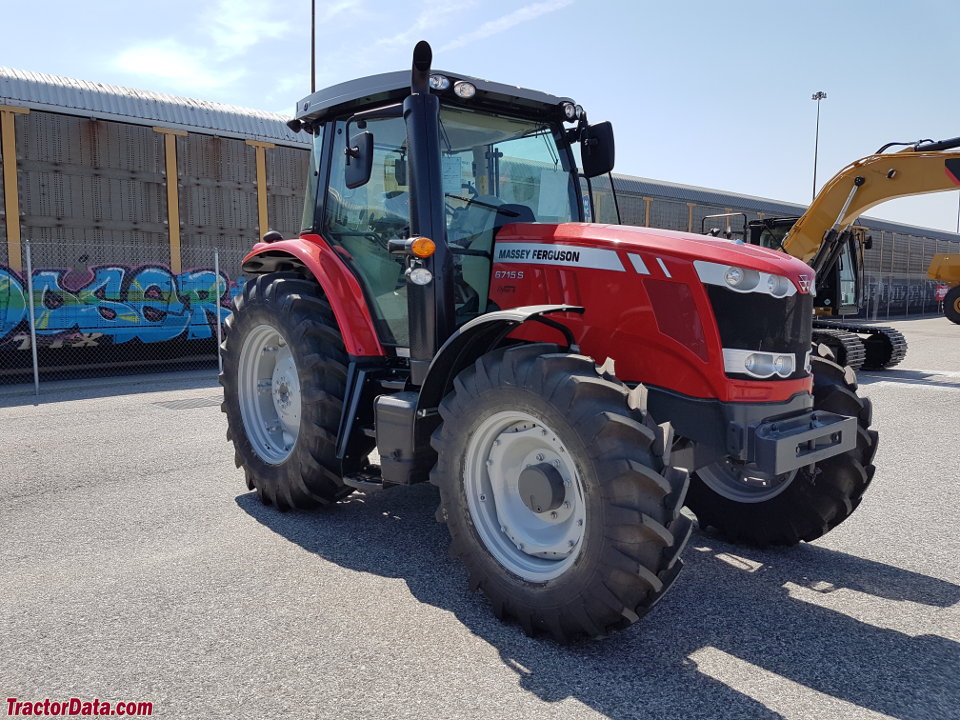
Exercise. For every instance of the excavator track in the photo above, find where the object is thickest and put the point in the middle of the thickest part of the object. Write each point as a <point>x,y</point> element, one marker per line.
<point>846,347</point>
<point>883,346</point>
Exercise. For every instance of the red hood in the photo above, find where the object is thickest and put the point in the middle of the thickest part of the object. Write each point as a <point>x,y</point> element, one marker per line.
<point>661,243</point>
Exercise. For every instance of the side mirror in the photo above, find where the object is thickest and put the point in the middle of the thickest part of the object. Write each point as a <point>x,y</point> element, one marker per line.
<point>597,149</point>
<point>400,171</point>
<point>359,160</point>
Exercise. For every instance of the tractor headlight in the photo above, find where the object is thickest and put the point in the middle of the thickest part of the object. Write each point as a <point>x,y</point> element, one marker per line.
<point>743,280</point>
<point>777,285</point>
<point>439,82</point>
<point>569,112</point>
<point>465,90</point>
<point>419,276</point>
<point>760,365</point>
<point>733,276</point>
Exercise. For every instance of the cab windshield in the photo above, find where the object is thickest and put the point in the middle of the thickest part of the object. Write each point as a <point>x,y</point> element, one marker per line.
<point>496,171</point>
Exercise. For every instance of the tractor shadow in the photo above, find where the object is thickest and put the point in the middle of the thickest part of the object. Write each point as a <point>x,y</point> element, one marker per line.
<point>907,377</point>
<point>731,605</point>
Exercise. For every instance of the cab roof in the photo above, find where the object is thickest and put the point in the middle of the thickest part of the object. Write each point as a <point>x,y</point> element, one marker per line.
<point>387,88</point>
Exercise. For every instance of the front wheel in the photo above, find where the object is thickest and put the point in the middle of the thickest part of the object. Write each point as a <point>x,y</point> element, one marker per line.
<point>759,510</point>
<point>555,492</point>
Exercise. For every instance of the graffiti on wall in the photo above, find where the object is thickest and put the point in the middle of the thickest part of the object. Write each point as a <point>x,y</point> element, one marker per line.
<point>113,305</point>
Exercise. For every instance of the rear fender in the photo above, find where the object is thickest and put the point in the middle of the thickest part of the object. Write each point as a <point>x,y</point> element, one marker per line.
<point>340,285</point>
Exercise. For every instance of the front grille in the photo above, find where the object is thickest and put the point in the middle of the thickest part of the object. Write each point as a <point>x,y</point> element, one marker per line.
<point>760,322</point>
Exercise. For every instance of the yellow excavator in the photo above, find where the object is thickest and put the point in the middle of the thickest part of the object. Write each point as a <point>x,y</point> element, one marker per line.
<point>946,269</point>
<point>826,238</point>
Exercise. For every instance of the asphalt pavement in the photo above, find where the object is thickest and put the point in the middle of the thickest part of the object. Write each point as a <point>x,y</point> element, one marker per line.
<point>137,567</point>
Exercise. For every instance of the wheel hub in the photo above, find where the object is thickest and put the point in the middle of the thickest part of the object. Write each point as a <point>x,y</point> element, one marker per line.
<point>541,488</point>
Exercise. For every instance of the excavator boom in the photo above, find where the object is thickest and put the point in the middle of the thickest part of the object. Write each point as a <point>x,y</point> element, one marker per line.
<point>869,181</point>
<point>825,239</point>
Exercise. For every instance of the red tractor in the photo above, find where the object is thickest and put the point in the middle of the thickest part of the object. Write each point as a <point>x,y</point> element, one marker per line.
<point>568,386</point>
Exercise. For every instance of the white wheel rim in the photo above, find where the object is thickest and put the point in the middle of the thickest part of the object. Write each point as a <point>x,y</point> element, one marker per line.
<point>740,483</point>
<point>269,393</point>
<point>534,546</point>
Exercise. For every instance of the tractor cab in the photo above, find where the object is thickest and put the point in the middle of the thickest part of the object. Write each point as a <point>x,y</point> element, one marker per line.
<point>502,155</point>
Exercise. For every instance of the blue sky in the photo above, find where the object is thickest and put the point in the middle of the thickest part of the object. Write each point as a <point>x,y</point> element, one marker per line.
<point>712,93</point>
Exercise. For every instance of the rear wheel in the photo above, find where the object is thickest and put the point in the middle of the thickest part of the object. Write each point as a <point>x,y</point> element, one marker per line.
<point>803,505</point>
<point>951,305</point>
<point>284,378</point>
<point>556,494</point>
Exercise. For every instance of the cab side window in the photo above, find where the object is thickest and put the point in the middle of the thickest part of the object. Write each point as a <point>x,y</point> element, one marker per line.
<point>360,222</point>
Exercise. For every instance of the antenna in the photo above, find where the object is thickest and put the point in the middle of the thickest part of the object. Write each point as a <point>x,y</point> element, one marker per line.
<point>313,46</point>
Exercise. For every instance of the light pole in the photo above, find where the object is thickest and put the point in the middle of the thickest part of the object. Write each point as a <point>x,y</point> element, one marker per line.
<point>818,96</point>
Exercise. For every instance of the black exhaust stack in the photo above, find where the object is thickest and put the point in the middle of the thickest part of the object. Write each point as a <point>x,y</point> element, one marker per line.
<point>422,60</point>
<point>430,306</point>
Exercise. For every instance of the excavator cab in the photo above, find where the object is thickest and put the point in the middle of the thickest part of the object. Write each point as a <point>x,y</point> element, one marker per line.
<point>840,286</point>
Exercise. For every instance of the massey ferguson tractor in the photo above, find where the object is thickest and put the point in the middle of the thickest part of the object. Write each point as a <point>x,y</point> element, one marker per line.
<point>568,386</point>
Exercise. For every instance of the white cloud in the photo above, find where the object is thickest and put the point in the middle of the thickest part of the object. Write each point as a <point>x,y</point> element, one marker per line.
<point>186,68</point>
<point>434,14</point>
<point>329,10</point>
<point>237,25</point>
<point>205,58</point>
<point>494,27</point>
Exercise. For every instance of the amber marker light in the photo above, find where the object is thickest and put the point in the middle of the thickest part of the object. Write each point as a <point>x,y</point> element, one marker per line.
<point>423,247</point>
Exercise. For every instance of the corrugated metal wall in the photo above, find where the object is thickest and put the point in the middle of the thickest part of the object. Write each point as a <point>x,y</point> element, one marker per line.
<point>91,192</point>
<point>218,199</point>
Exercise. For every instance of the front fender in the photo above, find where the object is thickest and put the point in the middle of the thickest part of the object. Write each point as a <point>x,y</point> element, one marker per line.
<point>340,285</point>
<point>475,338</point>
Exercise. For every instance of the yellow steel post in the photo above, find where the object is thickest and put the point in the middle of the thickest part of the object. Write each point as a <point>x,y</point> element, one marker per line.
<point>261,148</point>
<point>646,218</point>
<point>11,185</point>
<point>173,194</point>
<point>691,206</point>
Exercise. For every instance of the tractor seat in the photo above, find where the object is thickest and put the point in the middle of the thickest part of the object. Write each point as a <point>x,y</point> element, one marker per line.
<point>511,213</point>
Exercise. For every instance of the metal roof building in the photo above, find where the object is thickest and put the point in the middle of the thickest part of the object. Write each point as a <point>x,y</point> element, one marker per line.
<point>645,187</point>
<point>38,91</point>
